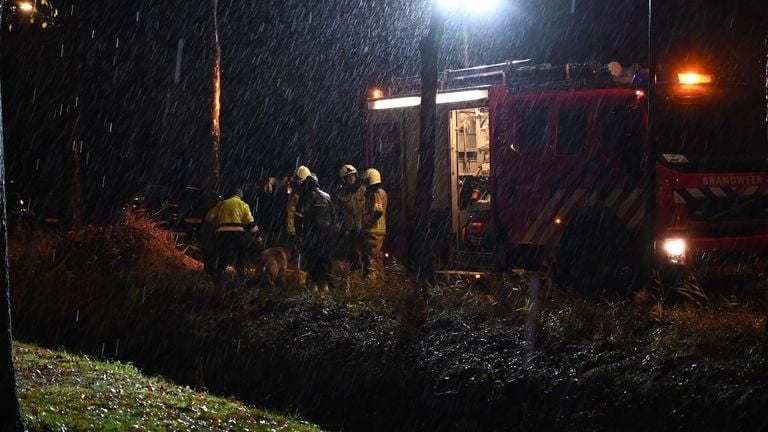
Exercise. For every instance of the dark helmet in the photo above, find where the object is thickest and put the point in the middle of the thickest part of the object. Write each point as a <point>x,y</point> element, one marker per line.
<point>234,190</point>
<point>310,182</point>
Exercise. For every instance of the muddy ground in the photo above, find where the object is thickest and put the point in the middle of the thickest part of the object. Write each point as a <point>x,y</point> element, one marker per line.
<point>372,358</point>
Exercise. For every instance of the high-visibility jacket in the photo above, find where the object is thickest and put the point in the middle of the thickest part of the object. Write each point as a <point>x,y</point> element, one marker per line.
<point>231,214</point>
<point>375,211</point>
<point>290,214</point>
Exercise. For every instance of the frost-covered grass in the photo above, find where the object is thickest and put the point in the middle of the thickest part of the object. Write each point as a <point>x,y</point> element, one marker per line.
<point>62,391</point>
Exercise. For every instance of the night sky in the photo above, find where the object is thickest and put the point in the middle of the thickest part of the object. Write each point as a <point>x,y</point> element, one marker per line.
<point>128,84</point>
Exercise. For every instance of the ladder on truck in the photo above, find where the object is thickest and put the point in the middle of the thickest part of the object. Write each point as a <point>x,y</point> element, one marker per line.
<point>522,74</point>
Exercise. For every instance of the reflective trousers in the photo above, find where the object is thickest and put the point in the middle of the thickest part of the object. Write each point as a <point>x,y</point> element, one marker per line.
<point>374,259</point>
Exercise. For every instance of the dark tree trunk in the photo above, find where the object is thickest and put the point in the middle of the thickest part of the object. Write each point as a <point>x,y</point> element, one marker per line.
<point>214,182</point>
<point>421,239</point>
<point>10,411</point>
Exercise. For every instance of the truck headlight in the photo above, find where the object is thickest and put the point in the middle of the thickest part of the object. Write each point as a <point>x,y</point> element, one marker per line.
<point>674,249</point>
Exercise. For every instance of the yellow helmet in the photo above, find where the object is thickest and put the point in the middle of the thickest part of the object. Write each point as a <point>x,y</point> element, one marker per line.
<point>347,170</point>
<point>302,173</point>
<point>372,176</point>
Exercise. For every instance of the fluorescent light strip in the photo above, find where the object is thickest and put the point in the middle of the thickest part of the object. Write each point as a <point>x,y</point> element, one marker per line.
<point>442,98</point>
<point>461,96</point>
<point>401,102</point>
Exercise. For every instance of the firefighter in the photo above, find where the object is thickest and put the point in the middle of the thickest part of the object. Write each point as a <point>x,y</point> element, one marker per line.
<point>350,200</point>
<point>282,197</point>
<point>374,224</point>
<point>231,218</point>
<point>315,211</point>
<point>291,220</point>
<point>266,212</point>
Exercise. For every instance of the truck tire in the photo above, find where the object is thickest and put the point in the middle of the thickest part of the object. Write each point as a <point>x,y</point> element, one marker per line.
<point>592,259</point>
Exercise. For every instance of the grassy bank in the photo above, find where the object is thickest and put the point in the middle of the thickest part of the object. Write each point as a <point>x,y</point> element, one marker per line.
<point>62,391</point>
<point>476,354</point>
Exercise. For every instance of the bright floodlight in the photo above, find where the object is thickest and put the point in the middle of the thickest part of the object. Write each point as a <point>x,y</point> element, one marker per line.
<point>484,6</point>
<point>26,7</point>
<point>479,6</point>
<point>449,4</point>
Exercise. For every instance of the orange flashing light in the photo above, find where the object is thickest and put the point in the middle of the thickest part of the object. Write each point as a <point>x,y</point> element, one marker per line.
<point>377,93</point>
<point>694,78</point>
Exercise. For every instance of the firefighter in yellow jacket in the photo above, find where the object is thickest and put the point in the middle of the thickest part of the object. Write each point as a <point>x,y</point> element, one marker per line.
<point>291,228</point>
<point>374,224</point>
<point>231,218</point>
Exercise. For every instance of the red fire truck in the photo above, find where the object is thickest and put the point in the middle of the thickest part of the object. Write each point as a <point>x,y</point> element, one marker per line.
<point>594,171</point>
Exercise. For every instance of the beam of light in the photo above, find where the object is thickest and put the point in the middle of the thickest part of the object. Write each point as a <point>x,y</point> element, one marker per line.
<point>26,7</point>
<point>442,98</point>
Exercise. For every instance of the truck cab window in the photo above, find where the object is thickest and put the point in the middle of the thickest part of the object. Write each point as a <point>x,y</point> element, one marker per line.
<point>531,130</point>
<point>386,154</point>
<point>623,138</point>
<point>572,131</point>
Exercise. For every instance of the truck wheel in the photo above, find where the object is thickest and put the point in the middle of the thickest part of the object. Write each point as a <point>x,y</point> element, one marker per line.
<point>590,260</point>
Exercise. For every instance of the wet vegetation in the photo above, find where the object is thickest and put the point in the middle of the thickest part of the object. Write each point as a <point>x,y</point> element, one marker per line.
<point>514,354</point>
<point>63,391</point>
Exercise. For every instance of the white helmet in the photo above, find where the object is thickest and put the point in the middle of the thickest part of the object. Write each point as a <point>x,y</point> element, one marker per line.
<point>302,173</point>
<point>347,170</point>
<point>372,176</point>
